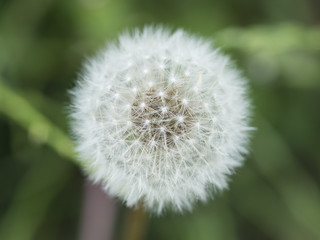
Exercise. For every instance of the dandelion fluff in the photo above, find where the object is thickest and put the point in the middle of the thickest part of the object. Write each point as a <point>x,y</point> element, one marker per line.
<point>161,119</point>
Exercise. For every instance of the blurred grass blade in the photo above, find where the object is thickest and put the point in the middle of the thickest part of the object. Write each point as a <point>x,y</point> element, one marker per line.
<point>271,52</point>
<point>38,126</point>
<point>273,39</point>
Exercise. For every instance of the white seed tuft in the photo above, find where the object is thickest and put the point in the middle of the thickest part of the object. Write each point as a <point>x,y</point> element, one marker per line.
<point>160,118</point>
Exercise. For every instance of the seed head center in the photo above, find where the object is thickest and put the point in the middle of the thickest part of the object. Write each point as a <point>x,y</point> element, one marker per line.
<point>161,117</point>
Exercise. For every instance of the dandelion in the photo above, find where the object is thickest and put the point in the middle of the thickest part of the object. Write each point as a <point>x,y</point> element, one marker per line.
<point>161,119</point>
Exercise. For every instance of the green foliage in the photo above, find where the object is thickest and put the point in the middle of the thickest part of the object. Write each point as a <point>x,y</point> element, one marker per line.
<point>277,43</point>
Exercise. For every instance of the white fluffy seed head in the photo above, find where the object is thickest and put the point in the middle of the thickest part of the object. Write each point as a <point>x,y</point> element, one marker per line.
<point>160,118</point>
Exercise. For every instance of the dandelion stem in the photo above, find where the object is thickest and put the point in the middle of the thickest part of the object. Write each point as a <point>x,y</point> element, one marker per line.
<point>135,224</point>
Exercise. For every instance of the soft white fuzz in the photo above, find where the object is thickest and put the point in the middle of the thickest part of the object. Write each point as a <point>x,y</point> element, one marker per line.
<point>161,119</point>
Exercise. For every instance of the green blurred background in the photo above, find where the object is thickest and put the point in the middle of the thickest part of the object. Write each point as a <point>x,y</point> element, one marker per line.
<point>275,42</point>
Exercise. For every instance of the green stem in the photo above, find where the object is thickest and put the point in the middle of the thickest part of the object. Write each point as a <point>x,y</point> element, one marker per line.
<point>37,125</point>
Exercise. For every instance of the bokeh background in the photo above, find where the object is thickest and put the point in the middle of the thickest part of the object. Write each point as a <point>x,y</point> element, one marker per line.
<point>276,43</point>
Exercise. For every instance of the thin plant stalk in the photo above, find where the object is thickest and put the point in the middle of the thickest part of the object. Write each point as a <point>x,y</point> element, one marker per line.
<point>135,225</point>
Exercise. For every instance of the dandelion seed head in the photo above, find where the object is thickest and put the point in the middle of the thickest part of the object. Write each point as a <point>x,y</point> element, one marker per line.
<point>169,119</point>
